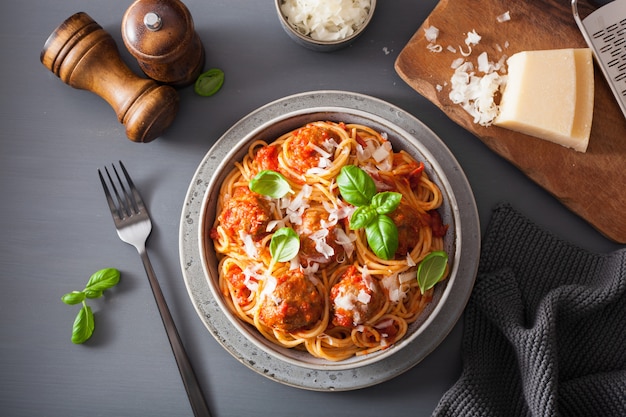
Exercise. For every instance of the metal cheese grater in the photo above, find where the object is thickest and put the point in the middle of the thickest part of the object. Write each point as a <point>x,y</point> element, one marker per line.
<point>604,31</point>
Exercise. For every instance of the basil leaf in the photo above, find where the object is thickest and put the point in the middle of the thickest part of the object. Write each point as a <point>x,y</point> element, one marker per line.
<point>102,280</point>
<point>356,186</point>
<point>73,297</point>
<point>83,325</point>
<point>431,270</point>
<point>362,216</point>
<point>93,294</point>
<point>284,245</point>
<point>382,236</point>
<point>386,202</point>
<point>270,183</point>
<point>209,82</point>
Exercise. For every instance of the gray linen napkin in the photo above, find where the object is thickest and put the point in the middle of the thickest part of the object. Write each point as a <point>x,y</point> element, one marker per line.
<point>544,330</point>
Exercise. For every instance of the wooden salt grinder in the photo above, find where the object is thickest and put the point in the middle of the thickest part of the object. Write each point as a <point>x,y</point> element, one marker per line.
<point>160,35</point>
<point>85,56</point>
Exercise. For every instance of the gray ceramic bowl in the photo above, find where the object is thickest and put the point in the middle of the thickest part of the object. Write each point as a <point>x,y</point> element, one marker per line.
<point>321,45</point>
<point>290,366</point>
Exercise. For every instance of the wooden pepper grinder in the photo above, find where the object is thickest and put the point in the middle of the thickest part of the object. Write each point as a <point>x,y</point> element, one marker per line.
<point>160,35</point>
<point>85,56</point>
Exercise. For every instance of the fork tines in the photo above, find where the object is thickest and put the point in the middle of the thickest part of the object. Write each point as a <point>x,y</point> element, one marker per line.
<point>129,201</point>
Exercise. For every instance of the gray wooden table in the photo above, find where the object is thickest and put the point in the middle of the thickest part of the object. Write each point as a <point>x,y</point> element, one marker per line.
<point>56,229</point>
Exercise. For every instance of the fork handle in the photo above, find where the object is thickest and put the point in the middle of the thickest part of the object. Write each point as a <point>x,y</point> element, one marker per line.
<point>194,392</point>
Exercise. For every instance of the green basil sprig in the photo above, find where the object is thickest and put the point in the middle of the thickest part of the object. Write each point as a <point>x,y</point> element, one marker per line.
<point>84,323</point>
<point>270,183</point>
<point>431,270</point>
<point>358,188</point>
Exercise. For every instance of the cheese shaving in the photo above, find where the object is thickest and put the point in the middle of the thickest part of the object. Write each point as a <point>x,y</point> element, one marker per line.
<point>321,246</point>
<point>465,53</point>
<point>382,152</point>
<point>394,290</point>
<point>472,38</point>
<point>434,47</point>
<point>457,63</point>
<point>363,297</point>
<point>252,276</point>
<point>269,287</point>
<point>504,17</point>
<point>346,241</point>
<point>298,204</point>
<point>248,244</point>
<point>431,33</point>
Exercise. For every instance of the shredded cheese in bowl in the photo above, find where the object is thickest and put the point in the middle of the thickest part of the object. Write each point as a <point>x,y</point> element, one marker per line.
<point>326,20</point>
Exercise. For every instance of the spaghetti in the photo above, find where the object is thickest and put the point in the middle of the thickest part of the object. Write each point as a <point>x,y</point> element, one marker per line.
<point>336,298</point>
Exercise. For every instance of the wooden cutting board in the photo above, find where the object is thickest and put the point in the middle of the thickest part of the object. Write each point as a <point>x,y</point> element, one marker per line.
<point>591,184</point>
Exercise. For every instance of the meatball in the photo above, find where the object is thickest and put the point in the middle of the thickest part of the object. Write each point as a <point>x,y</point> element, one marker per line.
<point>408,222</point>
<point>245,211</point>
<point>317,244</point>
<point>295,303</point>
<point>266,158</point>
<point>355,298</point>
<point>302,155</point>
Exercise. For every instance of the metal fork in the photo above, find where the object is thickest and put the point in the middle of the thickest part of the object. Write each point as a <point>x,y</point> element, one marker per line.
<point>133,225</point>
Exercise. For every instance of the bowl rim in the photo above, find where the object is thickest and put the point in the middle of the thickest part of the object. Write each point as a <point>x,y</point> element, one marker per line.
<point>308,39</point>
<point>328,379</point>
<point>207,218</point>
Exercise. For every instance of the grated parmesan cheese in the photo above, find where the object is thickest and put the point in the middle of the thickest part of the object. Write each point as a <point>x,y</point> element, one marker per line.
<point>504,17</point>
<point>393,286</point>
<point>434,47</point>
<point>476,94</point>
<point>326,20</point>
<point>345,240</point>
<point>431,33</point>
<point>363,297</point>
<point>321,246</point>
<point>472,38</point>
<point>457,63</point>
<point>252,276</point>
<point>248,244</point>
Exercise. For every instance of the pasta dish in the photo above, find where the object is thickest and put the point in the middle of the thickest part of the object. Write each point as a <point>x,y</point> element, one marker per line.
<point>349,286</point>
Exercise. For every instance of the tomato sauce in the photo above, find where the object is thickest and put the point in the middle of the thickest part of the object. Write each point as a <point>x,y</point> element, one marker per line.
<point>303,156</point>
<point>267,158</point>
<point>237,280</point>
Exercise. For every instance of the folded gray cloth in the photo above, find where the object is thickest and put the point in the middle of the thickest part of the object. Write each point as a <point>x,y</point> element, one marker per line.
<point>544,330</point>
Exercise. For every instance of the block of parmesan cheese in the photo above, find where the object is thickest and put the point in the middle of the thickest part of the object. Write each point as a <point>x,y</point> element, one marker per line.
<point>549,95</point>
